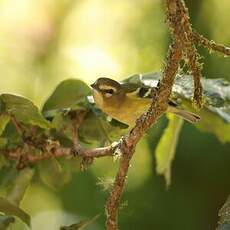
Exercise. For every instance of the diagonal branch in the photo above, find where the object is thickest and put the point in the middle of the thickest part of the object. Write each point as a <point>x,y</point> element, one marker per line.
<point>178,19</point>
<point>128,143</point>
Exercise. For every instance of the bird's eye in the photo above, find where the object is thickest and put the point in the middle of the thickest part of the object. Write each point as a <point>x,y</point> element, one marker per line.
<point>109,91</point>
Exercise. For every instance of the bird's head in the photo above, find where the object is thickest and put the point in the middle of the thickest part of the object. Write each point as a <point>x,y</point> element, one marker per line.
<point>110,92</point>
<point>107,87</point>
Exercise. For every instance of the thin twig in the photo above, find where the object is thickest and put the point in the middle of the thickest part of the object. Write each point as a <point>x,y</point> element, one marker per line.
<point>59,152</point>
<point>16,125</point>
<point>87,154</point>
<point>210,45</point>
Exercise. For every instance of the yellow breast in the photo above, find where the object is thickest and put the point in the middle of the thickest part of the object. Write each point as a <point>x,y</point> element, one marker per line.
<point>131,109</point>
<point>125,110</point>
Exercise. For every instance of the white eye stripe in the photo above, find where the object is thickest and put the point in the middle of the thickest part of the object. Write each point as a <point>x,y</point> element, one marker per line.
<point>108,95</point>
<point>107,87</point>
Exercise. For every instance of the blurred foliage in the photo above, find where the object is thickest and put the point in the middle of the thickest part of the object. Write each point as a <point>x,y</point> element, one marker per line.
<point>46,41</point>
<point>166,148</point>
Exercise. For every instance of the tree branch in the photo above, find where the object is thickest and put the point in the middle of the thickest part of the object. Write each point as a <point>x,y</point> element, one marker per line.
<point>179,21</point>
<point>58,152</point>
<point>210,45</point>
<point>128,143</point>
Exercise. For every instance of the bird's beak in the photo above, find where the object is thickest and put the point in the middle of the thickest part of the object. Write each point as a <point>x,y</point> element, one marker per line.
<point>94,85</point>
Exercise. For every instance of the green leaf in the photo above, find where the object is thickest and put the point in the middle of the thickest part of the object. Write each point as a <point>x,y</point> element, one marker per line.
<point>211,123</point>
<point>92,131</point>
<point>4,119</point>
<point>53,174</point>
<point>63,124</point>
<point>214,124</point>
<point>11,137</point>
<point>97,131</point>
<point>81,224</point>
<point>10,209</point>
<point>5,221</point>
<point>224,215</point>
<point>165,151</point>
<point>20,185</point>
<point>70,94</point>
<point>23,110</point>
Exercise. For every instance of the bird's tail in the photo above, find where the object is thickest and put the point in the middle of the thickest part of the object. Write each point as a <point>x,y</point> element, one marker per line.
<point>188,116</point>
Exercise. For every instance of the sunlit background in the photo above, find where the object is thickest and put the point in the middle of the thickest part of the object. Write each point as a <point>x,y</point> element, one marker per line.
<point>45,41</point>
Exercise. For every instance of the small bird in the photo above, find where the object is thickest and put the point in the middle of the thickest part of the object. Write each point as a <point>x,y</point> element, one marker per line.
<point>126,102</point>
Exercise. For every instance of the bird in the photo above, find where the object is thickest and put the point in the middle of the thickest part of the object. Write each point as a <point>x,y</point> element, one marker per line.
<point>126,102</point>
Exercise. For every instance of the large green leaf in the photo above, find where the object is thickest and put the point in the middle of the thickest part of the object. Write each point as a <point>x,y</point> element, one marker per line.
<point>23,110</point>
<point>224,214</point>
<point>10,138</point>
<point>165,151</point>
<point>70,94</point>
<point>53,174</point>
<point>212,123</point>
<point>63,124</point>
<point>10,209</point>
<point>96,130</point>
<point>19,185</point>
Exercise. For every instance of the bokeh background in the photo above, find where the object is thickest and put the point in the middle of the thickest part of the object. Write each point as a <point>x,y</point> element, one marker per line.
<point>45,41</point>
